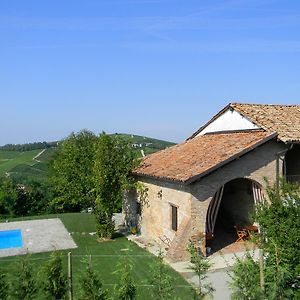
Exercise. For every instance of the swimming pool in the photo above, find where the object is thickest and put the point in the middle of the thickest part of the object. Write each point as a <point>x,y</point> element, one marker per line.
<point>11,239</point>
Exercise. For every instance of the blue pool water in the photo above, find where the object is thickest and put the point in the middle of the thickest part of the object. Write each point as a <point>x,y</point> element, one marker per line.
<point>11,239</point>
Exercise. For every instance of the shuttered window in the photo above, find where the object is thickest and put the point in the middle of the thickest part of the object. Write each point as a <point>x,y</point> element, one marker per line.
<point>174,217</point>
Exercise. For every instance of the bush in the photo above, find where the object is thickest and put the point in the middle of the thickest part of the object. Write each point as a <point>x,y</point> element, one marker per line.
<point>55,282</point>
<point>4,287</point>
<point>25,285</point>
<point>91,285</point>
<point>245,282</point>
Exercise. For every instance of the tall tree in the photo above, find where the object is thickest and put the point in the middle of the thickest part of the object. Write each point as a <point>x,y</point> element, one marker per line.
<point>25,284</point>
<point>279,220</point>
<point>161,279</point>
<point>245,281</point>
<point>200,265</point>
<point>55,282</point>
<point>126,288</point>
<point>280,241</point>
<point>114,161</point>
<point>91,285</point>
<point>8,196</point>
<point>3,286</point>
<point>72,168</point>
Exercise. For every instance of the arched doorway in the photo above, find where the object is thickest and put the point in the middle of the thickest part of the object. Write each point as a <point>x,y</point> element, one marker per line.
<point>232,206</point>
<point>292,164</point>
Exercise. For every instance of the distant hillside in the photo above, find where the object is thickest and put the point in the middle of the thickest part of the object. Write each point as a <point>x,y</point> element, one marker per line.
<point>28,146</point>
<point>32,160</point>
<point>30,164</point>
<point>148,145</point>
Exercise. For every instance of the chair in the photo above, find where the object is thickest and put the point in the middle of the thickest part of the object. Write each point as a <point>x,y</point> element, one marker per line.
<point>241,233</point>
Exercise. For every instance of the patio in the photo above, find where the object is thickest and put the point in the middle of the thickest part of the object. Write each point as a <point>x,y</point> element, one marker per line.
<point>39,236</point>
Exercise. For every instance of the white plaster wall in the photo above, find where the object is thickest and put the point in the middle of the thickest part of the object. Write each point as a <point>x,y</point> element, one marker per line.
<point>229,120</point>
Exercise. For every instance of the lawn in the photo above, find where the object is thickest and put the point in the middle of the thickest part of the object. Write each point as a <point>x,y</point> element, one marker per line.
<point>105,257</point>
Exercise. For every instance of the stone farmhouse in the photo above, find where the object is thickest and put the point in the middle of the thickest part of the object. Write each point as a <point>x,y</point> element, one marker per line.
<point>200,189</point>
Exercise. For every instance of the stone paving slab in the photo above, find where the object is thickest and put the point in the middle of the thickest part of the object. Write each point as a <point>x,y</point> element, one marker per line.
<point>39,236</point>
<point>218,273</point>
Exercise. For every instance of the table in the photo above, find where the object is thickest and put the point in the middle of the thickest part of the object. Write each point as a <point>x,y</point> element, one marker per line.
<point>251,229</point>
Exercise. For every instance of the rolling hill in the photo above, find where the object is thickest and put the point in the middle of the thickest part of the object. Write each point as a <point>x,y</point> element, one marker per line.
<point>34,164</point>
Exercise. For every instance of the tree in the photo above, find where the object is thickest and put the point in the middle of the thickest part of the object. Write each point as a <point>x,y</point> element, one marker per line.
<point>200,266</point>
<point>25,285</point>
<point>72,169</point>
<point>8,196</point>
<point>280,227</point>
<point>27,197</point>
<point>55,282</point>
<point>114,161</point>
<point>91,285</point>
<point>4,288</point>
<point>245,281</point>
<point>279,239</point>
<point>160,279</point>
<point>126,289</point>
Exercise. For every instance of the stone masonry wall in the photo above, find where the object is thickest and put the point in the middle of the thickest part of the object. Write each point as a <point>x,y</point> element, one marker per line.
<point>256,165</point>
<point>193,200</point>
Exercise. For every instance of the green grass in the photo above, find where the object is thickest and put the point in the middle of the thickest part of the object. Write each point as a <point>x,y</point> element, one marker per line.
<point>16,158</point>
<point>4,155</point>
<point>105,257</point>
<point>47,155</point>
<point>21,164</point>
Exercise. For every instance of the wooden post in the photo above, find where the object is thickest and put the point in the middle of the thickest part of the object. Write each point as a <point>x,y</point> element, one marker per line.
<point>261,270</point>
<point>261,261</point>
<point>70,286</point>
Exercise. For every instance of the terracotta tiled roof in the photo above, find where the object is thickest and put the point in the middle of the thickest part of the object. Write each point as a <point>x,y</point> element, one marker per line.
<point>283,119</point>
<point>201,155</point>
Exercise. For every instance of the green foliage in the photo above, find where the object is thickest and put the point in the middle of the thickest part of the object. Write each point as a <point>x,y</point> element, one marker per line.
<point>55,282</point>
<point>25,285</point>
<point>91,285</point>
<point>18,199</point>
<point>4,287</point>
<point>200,265</point>
<point>8,196</point>
<point>160,279</point>
<point>8,162</point>
<point>28,146</point>
<point>105,261</point>
<point>126,289</point>
<point>114,161</point>
<point>72,172</point>
<point>148,145</point>
<point>245,281</point>
<point>280,241</point>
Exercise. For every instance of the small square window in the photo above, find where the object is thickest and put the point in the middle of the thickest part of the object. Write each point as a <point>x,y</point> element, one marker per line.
<point>174,217</point>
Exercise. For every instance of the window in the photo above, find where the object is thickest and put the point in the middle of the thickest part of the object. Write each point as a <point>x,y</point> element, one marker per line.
<point>174,217</point>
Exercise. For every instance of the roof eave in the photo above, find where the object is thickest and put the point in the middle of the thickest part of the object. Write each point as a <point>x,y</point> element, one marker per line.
<point>166,179</point>
<point>230,159</point>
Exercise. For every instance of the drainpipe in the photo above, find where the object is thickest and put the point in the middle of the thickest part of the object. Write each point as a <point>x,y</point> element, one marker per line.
<point>278,157</point>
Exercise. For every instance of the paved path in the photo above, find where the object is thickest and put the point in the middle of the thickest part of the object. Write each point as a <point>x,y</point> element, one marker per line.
<point>218,274</point>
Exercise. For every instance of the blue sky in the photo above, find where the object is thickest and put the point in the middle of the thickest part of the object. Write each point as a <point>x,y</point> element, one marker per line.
<point>159,68</point>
